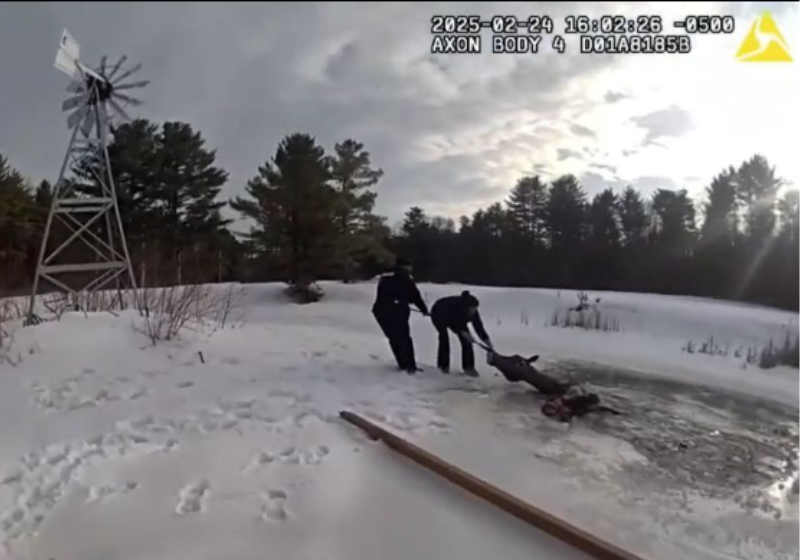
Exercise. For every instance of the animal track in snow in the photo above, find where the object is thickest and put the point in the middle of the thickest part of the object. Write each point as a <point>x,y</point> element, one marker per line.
<point>138,393</point>
<point>288,456</point>
<point>100,493</point>
<point>191,498</point>
<point>273,506</point>
<point>302,419</point>
<point>72,394</point>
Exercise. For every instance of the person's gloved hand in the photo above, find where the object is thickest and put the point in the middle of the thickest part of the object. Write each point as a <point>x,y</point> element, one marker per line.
<point>425,313</point>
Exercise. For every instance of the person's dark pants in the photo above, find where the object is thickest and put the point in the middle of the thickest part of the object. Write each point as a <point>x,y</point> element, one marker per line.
<point>393,321</point>
<point>443,353</point>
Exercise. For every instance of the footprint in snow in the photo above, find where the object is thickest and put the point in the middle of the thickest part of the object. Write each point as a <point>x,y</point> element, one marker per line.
<point>273,507</point>
<point>139,393</point>
<point>231,361</point>
<point>191,498</point>
<point>100,493</point>
<point>185,385</point>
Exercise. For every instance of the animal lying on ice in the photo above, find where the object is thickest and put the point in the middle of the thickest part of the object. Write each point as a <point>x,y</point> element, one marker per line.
<point>564,400</point>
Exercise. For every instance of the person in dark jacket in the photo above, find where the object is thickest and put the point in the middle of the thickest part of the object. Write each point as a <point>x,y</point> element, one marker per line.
<point>396,291</point>
<point>455,313</point>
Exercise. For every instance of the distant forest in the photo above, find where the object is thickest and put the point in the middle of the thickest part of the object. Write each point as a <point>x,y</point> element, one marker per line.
<point>313,218</point>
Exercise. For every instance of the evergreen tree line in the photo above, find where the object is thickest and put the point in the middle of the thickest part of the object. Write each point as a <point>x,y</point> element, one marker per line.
<point>740,243</point>
<point>312,216</point>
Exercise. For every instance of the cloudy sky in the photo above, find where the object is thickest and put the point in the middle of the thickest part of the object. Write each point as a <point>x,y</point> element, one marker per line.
<point>451,132</point>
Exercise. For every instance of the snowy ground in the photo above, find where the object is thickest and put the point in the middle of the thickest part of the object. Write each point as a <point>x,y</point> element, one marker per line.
<point>112,448</point>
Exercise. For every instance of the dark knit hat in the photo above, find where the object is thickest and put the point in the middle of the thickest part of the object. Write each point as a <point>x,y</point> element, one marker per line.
<point>471,300</point>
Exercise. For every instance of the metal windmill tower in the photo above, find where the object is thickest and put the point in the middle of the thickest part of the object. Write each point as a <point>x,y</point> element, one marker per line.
<point>93,253</point>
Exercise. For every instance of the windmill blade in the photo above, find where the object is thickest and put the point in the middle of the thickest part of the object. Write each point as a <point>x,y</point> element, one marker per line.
<point>72,103</point>
<point>126,74</point>
<point>126,99</point>
<point>119,110</point>
<point>117,66</point>
<point>88,123</point>
<point>76,86</point>
<point>102,69</point>
<point>132,85</point>
<point>77,116</point>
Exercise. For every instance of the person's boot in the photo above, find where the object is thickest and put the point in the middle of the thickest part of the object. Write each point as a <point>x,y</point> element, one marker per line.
<point>413,370</point>
<point>444,369</point>
<point>471,372</point>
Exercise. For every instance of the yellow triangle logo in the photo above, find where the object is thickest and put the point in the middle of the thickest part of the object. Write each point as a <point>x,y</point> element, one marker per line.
<point>764,42</point>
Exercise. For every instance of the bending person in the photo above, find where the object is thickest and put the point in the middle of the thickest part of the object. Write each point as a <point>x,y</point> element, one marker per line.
<point>455,313</point>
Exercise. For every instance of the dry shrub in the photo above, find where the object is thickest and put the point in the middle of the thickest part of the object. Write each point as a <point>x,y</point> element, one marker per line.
<point>11,309</point>
<point>586,315</point>
<point>772,354</point>
<point>592,319</point>
<point>58,303</point>
<point>167,311</point>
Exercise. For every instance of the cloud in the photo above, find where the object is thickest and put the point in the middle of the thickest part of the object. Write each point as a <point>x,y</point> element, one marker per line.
<point>671,122</point>
<point>564,153</point>
<point>581,130</point>
<point>614,96</point>
<point>594,183</point>
<point>605,167</point>
<point>648,185</point>
<point>449,131</point>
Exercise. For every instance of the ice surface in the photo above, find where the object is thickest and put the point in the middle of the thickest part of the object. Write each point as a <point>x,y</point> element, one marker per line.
<point>112,448</point>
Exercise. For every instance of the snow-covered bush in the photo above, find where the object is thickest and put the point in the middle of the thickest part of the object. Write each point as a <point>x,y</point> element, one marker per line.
<point>304,292</point>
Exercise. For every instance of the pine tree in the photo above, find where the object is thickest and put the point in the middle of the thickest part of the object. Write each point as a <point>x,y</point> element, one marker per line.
<point>526,207</point>
<point>758,188</point>
<point>603,244</point>
<point>352,175</point>
<point>789,212</point>
<point>718,250</point>
<point>633,218</point>
<point>414,242</point>
<point>293,208</point>
<point>720,226</point>
<point>18,221</point>
<point>186,189</point>
<point>167,188</point>
<point>566,228</point>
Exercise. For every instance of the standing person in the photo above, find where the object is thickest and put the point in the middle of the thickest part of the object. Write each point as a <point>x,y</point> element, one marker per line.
<point>455,313</point>
<point>396,291</point>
